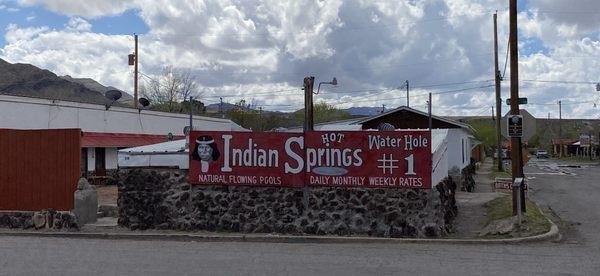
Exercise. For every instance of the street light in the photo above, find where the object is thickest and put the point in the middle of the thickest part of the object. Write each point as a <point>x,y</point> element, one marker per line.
<point>333,82</point>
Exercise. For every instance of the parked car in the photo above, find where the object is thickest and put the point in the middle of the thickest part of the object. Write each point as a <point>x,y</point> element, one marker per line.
<point>541,154</point>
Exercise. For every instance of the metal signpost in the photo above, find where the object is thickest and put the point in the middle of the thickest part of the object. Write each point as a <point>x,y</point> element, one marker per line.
<point>516,187</point>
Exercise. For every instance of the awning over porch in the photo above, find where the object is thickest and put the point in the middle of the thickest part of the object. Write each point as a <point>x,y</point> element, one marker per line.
<point>121,140</point>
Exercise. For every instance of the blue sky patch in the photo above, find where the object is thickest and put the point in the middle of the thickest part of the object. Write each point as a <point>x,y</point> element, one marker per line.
<point>128,22</point>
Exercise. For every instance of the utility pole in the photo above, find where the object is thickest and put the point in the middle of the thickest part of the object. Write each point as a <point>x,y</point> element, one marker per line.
<point>382,108</point>
<point>135,73</point>
<point>560,152</point>
<point>493,115</point>
<point>498,98</point>
<point>429,111</point>
<point>407,94</point>
<point>221,107</point>
<point>308,103</point>
<point>308,126</point>
<point>516,153</point>
<point>191,115</point>
<point>260,126</point>
<point>559,119</point>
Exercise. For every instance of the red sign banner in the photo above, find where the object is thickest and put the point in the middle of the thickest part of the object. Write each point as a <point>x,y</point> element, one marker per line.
<point>376,159</point>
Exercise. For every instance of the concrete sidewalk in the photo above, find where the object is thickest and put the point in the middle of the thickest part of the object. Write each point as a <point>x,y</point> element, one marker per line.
<point>472,214</point>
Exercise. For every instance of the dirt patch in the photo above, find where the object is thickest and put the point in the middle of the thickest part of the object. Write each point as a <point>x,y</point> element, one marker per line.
<point>107,195</point>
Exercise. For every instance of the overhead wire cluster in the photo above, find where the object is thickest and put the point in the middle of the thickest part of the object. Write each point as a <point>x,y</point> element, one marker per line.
<point>375,95</point>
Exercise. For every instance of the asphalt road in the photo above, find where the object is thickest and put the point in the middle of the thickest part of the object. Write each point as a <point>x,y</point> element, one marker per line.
<point>571,197</point>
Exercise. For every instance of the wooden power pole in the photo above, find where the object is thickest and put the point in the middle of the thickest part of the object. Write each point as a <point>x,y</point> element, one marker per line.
<point>308,103</point>
<point>308,125</point>
<point>516,147</point>
<point>407,94</point>
<point>135,74</point>
<point>498,98</point>
<point>560,152</point>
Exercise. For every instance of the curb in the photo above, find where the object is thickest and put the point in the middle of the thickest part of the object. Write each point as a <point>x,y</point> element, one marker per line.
<point>552,234</point>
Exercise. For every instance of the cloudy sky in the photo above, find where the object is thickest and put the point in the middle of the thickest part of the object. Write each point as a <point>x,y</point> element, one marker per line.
<point>262,50</point>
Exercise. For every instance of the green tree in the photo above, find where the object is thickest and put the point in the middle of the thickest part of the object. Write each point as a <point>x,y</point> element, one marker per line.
<point>245,115</point>
<point>323,112</point>
<point>485,131</point>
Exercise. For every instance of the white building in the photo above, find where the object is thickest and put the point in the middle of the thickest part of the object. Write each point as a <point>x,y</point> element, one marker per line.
<point>452,141</point>
<point>104,130</point>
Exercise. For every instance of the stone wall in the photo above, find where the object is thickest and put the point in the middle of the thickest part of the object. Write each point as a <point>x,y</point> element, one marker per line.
<point>45,219</point>
<point>163,199</point>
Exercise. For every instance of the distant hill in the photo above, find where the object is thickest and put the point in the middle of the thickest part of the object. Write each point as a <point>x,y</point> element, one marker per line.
<point>363,111</point>
<point>96,86</point>
<point>214,108</point>
<point>26,80</point>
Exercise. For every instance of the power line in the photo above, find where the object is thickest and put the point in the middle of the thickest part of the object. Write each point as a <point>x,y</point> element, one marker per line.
<point>464,89</point>
<point>449,84</point>
<point>561,81</point>
<point>380,91</point>
<point>568,12</point>
<point>262,93</point>
<point>421,95</point>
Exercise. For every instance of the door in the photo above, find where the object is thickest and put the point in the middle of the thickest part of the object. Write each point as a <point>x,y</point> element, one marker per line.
<point>100,162</point>
<point>84,162</point>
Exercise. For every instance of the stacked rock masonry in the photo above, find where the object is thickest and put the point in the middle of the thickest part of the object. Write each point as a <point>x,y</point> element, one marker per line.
<point>151,199</point>
<point>44,219</point>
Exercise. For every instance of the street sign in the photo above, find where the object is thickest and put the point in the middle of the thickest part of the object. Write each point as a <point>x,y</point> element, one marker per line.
<point>529,125</point>
<point>515,126</point>
<point>584,140</point>
<point>521,101</point>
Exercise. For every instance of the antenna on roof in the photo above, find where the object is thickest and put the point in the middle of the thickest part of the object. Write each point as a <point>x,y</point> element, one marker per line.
<point>142,103</point>
<point>113,96</point>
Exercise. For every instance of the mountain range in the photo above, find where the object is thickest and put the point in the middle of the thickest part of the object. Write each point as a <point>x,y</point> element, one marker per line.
<point>26,80</point>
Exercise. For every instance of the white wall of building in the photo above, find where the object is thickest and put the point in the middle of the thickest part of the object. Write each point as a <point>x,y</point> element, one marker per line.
<point>439,158</point>
<point>111,159</point>
<point>459,148</point>
<point>91,159</point>
<point>34,113</point>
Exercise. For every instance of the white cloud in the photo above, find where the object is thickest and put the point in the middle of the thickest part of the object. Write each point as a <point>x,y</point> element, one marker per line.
<point>237,47</point>
<point>78,24</point>
<point>87,9</point>
<point>17,36</point>
<point>98,56</point>
<point>8,9</point>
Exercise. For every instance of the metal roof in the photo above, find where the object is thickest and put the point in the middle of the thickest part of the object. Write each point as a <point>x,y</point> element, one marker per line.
<point>405,108</point>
